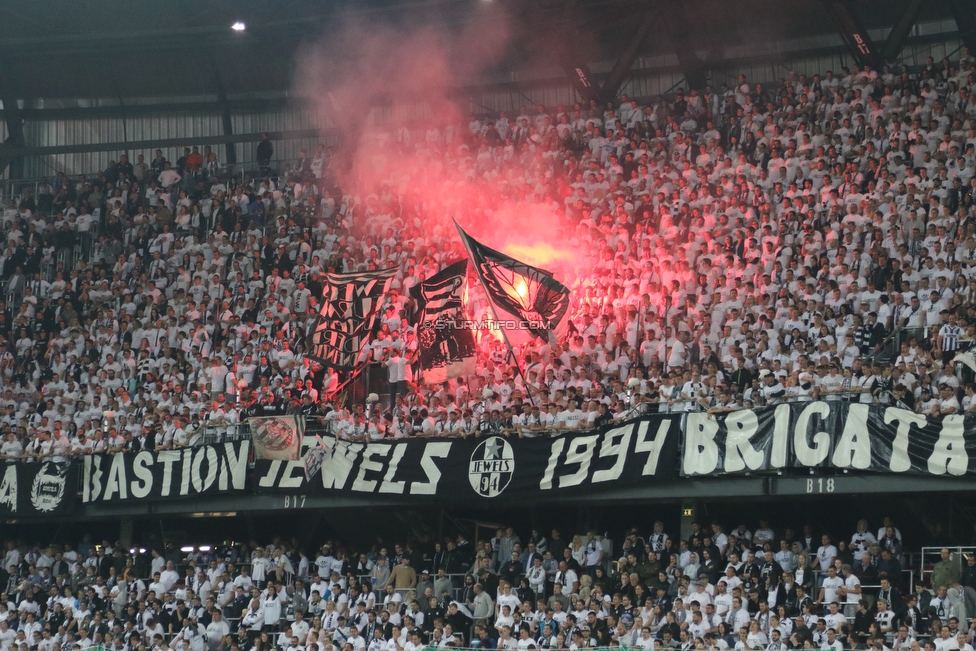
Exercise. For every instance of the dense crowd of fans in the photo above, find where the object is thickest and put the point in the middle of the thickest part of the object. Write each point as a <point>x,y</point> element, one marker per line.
<point>747,590</point>
<point>737,246</point>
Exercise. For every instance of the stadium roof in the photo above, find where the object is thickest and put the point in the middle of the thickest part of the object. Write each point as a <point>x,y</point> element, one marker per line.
<point>144,48</point>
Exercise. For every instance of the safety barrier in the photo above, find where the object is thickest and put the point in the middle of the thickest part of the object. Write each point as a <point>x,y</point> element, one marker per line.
<point>929,556</point>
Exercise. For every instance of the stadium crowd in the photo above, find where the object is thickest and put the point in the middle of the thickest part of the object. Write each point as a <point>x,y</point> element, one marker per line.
<point>737,246</point>
<point>747,590</point>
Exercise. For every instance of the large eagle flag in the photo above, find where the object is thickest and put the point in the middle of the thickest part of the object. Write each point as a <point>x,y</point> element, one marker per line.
<point>526,294</point>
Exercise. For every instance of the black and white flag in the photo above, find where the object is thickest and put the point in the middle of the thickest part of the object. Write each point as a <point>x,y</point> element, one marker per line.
<point>315,457</point>
<point>447,346</point>
<point>350,303</point>
<point>535,302</point>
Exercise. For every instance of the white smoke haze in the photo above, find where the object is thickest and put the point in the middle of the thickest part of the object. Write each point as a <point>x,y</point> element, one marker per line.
<point>372,77</point>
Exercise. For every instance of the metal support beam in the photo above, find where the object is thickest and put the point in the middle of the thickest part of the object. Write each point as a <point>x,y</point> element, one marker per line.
<point>207,106</point>
<point>230,151</point>
<point>570,61</point>
<point>853,33</point>
<point>165,142</point>
<point>900,31</point>
<point>678,28</point>
<point>613,82</point>
<point>15,133</point>
<point>964,11</point>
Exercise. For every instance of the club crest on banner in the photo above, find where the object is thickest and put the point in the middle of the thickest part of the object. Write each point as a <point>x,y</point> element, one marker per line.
<point>492,467</point>
<point>277,437</point>
<point>48,487</point>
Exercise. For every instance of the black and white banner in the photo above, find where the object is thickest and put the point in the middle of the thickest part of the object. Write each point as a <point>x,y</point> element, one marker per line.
<point>829,434</point>
<point>650,449</point>
<point>37,488</point>
<point>467,469</point>
<point>187,472</point>
<point>350,303</point>
<point>447,348</point>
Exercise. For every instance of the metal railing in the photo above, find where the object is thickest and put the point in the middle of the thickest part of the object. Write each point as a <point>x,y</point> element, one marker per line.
<point>457,584</point>
<point>888,349</point>
<point>930,556</point>
<point>908,578</point>
<point>214,434</point>
<point>222,434</point>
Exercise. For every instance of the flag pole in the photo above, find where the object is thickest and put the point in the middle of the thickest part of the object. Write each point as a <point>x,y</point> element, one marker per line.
<point>494,313</point>
<point>511,351</point>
